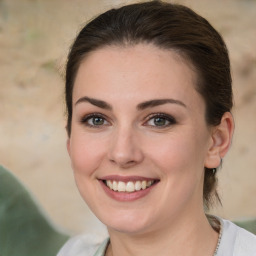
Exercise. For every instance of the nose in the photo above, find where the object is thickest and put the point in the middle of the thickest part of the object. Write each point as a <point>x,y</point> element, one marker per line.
<point>124,149</point>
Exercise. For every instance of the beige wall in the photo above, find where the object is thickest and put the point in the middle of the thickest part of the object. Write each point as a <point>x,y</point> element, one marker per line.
<point>34,40</point>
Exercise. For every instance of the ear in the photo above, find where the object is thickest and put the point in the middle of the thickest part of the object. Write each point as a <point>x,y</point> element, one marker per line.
<point>221,138</point>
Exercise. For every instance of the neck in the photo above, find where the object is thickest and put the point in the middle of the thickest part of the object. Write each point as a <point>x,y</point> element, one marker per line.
<point>186,236</point>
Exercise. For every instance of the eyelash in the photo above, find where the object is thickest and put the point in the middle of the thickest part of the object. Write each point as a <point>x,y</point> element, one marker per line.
<point>85,120</point>
<point>171,120</point>
<point>166,118</point>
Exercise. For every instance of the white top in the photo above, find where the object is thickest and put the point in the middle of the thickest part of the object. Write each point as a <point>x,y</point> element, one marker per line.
<point>235,241</point>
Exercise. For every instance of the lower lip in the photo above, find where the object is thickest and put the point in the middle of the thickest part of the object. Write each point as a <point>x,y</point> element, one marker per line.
<point>126,196</point>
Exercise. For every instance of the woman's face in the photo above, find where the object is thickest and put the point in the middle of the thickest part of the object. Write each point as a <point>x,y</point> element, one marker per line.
<point>139,141</point>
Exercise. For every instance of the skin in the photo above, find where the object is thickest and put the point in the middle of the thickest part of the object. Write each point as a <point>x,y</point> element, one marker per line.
<point>130,142</point>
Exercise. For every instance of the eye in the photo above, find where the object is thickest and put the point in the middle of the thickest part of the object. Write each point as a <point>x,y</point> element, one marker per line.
<point>95,120</point>
<point>160,120</point>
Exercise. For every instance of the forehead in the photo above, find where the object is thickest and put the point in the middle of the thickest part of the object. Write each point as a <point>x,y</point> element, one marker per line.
<point>142,70</point>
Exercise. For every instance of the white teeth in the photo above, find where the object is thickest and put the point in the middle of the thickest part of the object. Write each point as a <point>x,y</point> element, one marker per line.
<point>143,184</point>
<point>114,185</point>
<point>138,185</point>
<point>130,186</point>
<point>121,186</point>
<point>109,184</point>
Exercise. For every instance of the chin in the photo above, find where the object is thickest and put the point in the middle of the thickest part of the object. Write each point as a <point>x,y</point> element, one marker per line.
<point>127,222</point>
<point>127,228</point>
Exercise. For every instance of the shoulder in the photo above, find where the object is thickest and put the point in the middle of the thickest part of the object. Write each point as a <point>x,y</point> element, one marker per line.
<point>236,241</point>
<point>82,245</point>
<point>245,243</point>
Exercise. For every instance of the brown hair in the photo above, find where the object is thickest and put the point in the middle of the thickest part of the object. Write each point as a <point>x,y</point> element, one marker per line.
<point>167,26</point>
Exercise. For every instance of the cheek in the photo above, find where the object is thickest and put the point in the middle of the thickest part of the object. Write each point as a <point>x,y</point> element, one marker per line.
<point>180,161</point>
<point>86,154</point>
<point>170,150</point>
<point>180,154</point>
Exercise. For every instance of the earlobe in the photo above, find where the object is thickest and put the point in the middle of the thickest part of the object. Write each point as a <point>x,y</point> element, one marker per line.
<point>221,139</point>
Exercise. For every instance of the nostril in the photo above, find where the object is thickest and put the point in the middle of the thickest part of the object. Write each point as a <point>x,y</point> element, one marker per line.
<point>123,164</point>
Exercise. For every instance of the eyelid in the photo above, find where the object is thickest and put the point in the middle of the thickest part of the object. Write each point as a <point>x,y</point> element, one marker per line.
<point>85,118</point>
<point>168,117</point>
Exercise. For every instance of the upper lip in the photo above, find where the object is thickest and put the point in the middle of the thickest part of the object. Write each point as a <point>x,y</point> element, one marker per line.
<point>126,178</point>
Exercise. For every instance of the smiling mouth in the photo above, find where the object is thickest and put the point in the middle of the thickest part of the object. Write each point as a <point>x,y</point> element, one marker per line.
<point>130,186</point>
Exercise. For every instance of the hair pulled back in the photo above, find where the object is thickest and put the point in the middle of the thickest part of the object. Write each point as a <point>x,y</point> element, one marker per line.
<point>167,26</point>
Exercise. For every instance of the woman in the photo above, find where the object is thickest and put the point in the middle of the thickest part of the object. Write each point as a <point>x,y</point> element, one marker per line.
<point>148,93</point>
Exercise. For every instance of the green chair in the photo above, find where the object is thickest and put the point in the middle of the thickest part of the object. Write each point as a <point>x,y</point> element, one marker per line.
<point>248,224</point>
<point>24,229</point>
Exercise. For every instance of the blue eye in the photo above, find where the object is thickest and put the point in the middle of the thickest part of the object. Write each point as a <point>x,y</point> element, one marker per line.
<point>94,120</point>
<point>160,120</point>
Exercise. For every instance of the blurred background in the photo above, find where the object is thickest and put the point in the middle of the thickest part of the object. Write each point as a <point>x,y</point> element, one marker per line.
<point>35,36</point>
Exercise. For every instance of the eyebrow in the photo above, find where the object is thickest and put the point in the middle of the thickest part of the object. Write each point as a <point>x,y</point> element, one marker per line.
<point>158,102</point>
<point>95,102</point>
<point>147,104</point>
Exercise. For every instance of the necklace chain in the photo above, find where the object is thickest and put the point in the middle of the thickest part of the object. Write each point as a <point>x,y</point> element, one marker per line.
<point>219,240</point>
